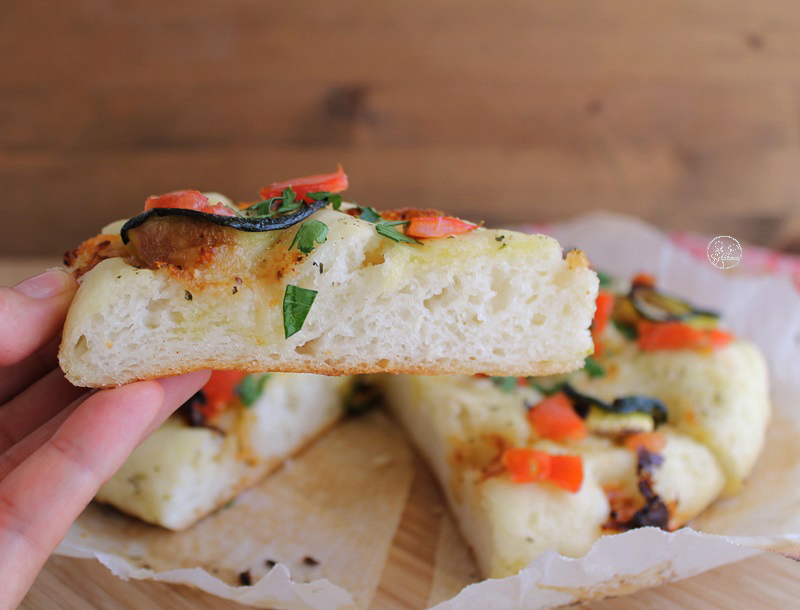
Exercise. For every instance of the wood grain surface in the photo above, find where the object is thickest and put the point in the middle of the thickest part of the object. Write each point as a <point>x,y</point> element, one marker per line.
<point>766,581</point>
<point>683,112</point>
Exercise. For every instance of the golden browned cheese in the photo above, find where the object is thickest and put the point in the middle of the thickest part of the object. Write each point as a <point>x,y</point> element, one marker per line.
<point>93,251</point>
<point>184,246</point>
<point>409,213</point>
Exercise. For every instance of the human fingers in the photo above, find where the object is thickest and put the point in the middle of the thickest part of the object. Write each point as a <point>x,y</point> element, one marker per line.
<point>17,454</point>
<point>20,452</point>
<point>32,313</point>
<point>42,496</point>
<point>15,378</point>
<point>35,406</point>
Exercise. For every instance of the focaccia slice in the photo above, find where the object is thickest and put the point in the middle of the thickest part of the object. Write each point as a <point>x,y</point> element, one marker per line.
<point>186,293</point>
<point>198,460</point>
<point>464,426</point>
<point>715,385</point>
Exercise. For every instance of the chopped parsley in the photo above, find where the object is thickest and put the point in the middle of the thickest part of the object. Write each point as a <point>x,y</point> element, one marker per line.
<point>251,388</point>
<point>274,206</point>
<point>369,214</point>
<point>334,199</point>
<point>593,367</point>
<point>387,229</point>
<point>297,304</point>
<point>309,233</point>
<point>605,279</point>
<point>187,295</point>
<point>507,384</point>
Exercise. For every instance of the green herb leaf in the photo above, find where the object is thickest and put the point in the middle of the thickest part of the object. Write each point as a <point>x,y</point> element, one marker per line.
<point>297,304</point>
<point>251,388</point>
<point>593,367</point>
<point>333,198</point>
<point>507,384</point>
<point>261,209</point>
<point>310,231</point>
<point>287,202</point>
<point>387,229</point>
<point>605,279</point>
<point>369,214</point>
<point>626,330</point>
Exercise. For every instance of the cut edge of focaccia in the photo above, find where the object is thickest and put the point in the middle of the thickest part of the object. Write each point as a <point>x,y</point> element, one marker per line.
<point>494,302</point>
<point>182,473</point>
<point>459,424</point>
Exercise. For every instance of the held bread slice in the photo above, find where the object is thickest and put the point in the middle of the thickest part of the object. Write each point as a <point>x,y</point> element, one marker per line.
<point>197,295</point>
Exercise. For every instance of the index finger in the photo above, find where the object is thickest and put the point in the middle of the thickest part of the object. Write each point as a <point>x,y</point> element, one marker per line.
<point>42,496</point>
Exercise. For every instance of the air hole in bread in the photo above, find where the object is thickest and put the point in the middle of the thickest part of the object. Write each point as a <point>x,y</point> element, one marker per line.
<point>308,348</point>
<point>80,346</point>
<point>503,292</point>
<point>373,256</point>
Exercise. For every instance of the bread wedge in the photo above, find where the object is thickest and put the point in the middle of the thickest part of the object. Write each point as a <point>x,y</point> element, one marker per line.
<point>463,426</point>
<point>182,472</point>
<point>189,294</point>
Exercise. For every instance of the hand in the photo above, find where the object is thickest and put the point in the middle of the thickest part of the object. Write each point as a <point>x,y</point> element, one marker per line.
<point>58,443</point>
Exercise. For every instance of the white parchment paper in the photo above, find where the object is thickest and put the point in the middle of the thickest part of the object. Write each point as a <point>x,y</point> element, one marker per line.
<point>766,515</point>
<point>327,518</point>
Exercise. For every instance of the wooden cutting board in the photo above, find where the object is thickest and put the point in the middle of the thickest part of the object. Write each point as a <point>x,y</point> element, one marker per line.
<point>766,581</point>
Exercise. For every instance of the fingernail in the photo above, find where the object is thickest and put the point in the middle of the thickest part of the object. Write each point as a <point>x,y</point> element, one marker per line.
<point>45,285</point>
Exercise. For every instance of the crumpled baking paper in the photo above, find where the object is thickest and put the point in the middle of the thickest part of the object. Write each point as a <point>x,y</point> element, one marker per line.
<point>327,518</point>
<point>353,545</point>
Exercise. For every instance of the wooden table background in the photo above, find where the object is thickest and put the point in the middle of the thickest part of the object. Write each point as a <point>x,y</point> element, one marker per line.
<point>765,582</point>
<point>686,112</point>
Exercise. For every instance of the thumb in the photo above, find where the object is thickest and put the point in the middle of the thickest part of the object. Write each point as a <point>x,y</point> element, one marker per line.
<point>32,313</point>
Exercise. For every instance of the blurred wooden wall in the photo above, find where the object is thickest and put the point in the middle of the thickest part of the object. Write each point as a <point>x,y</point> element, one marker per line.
<point>683,112</point>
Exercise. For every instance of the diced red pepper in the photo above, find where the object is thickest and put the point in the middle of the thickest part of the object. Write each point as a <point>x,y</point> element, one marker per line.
<point>533,466</point>
<point>677,335</point>
<point>604,306</point>
<point>331,183</point>
<point>187,200</point>
<point>438,226</point>
<point>219,391</point>
<point>555,418</point>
